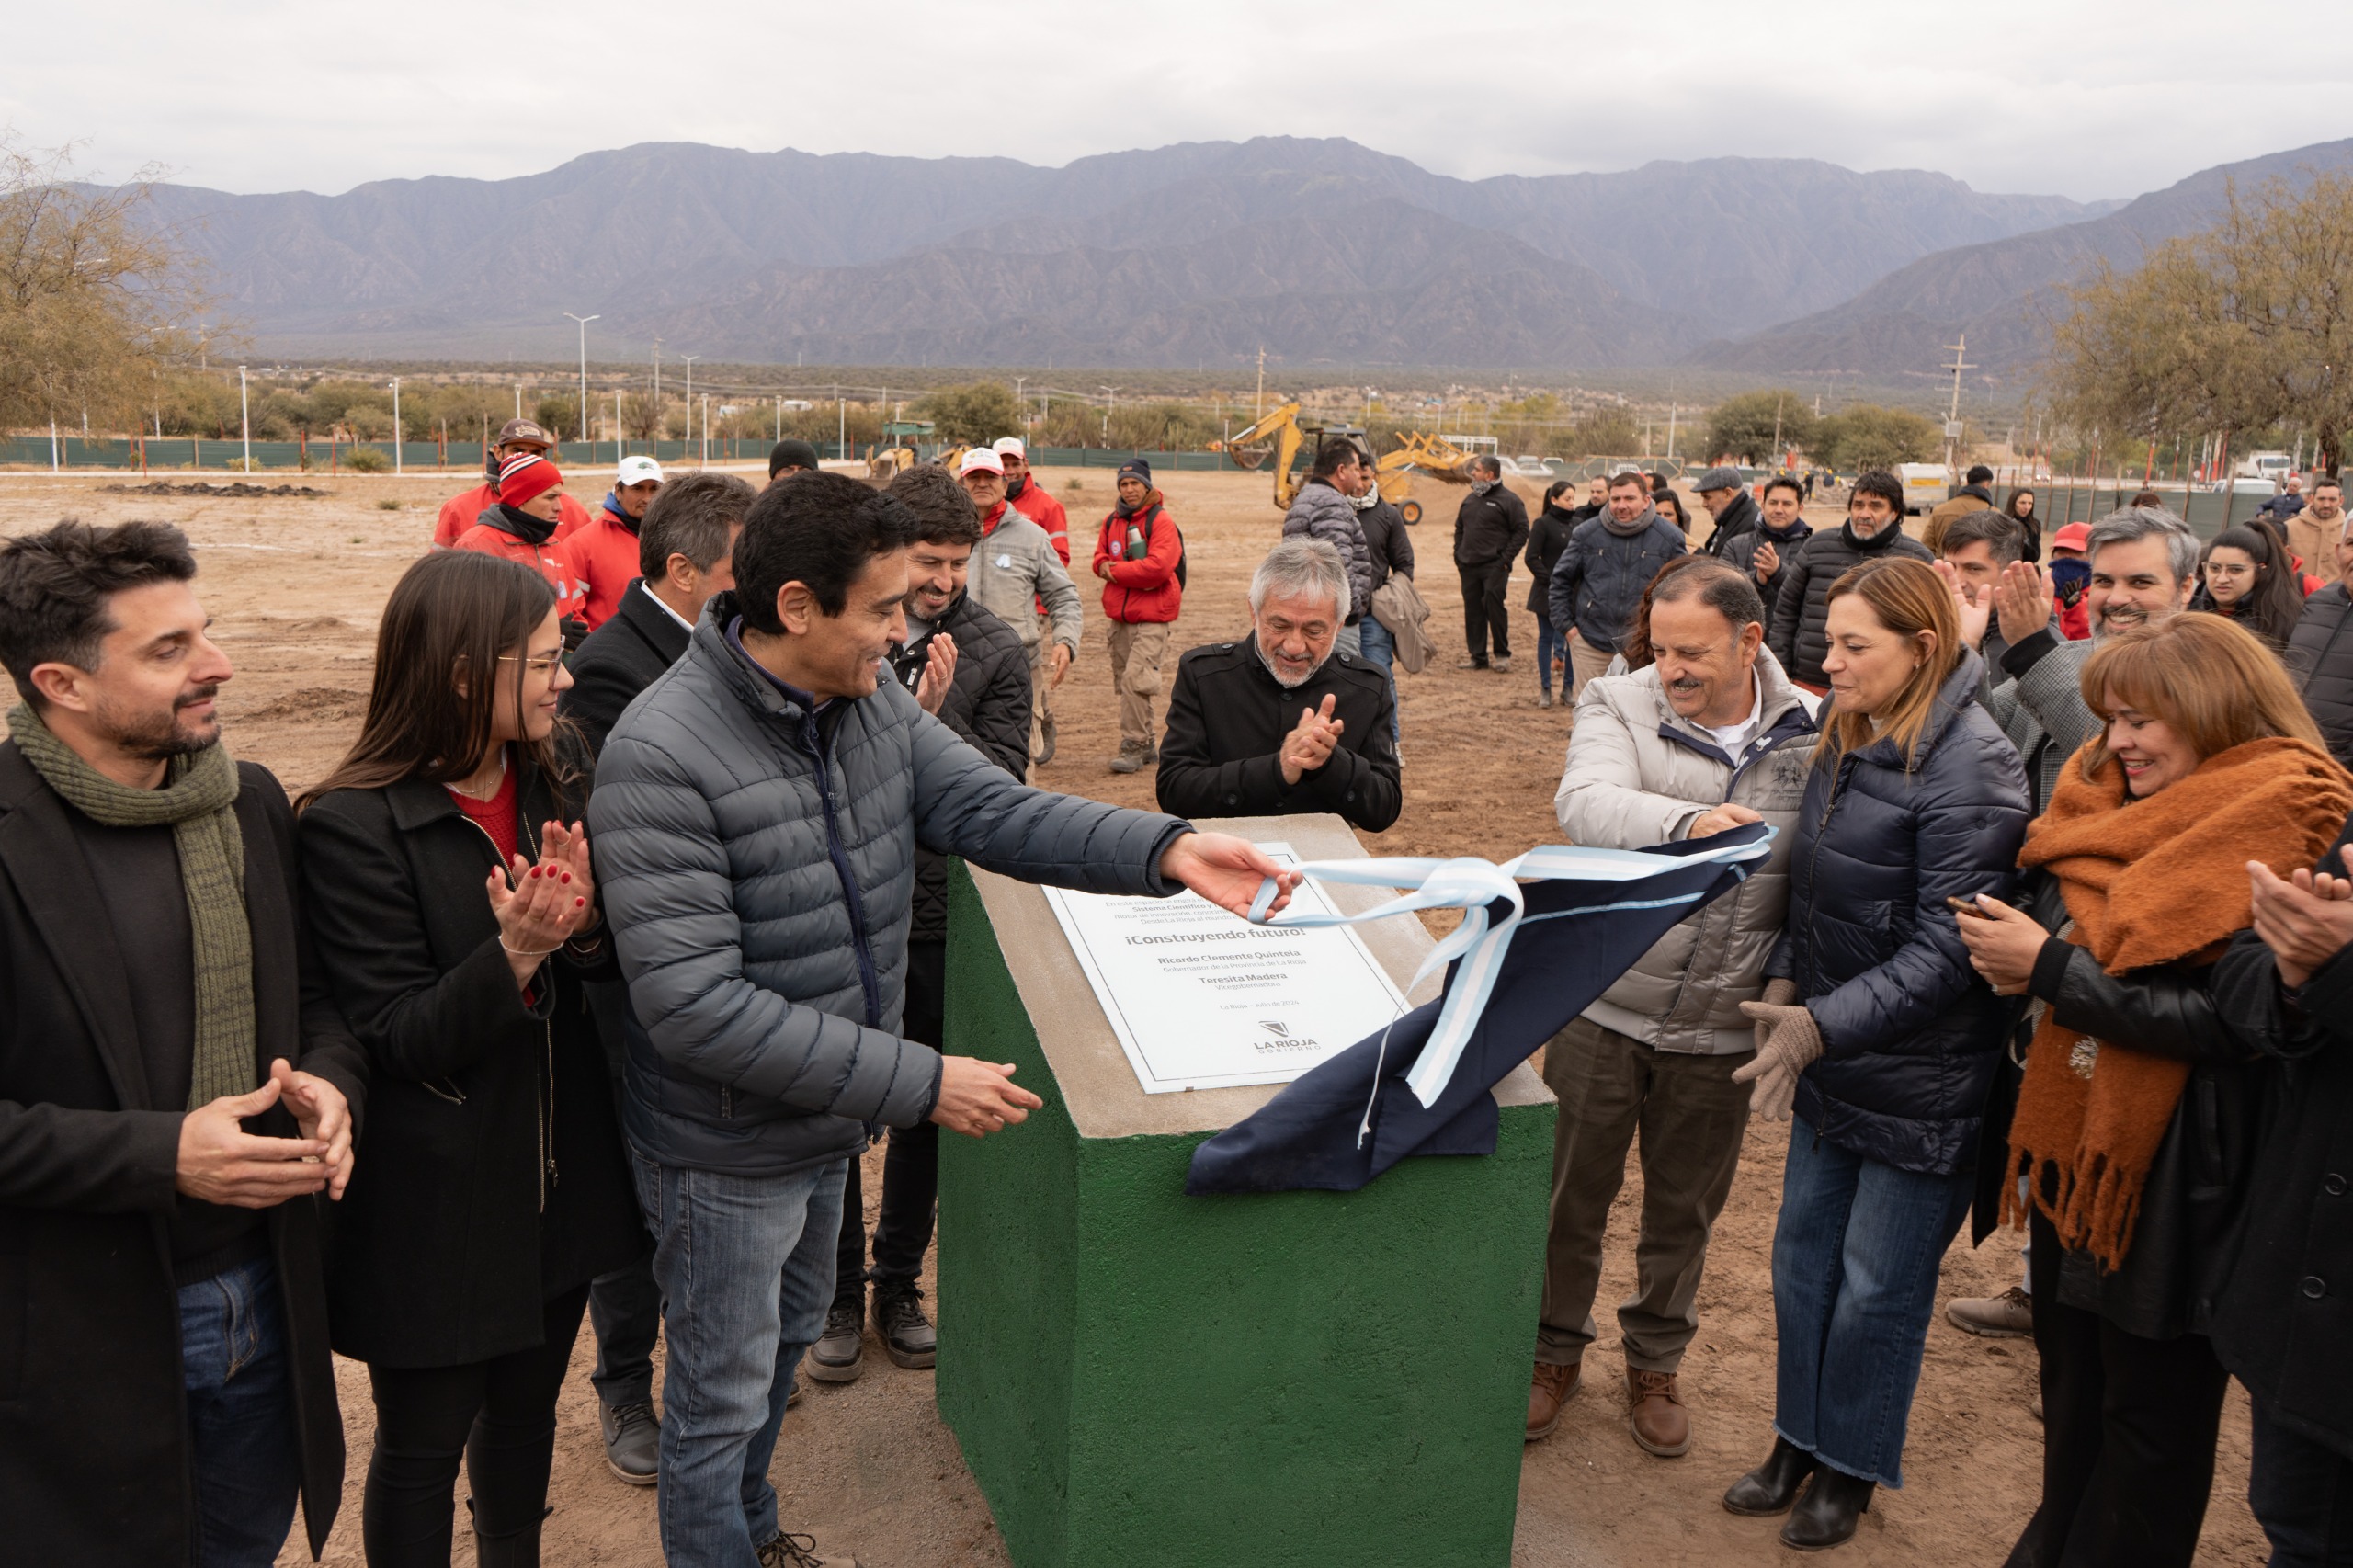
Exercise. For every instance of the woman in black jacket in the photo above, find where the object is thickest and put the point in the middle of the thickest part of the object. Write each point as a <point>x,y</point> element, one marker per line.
<point>1547,537</point>
<point>2284,1326</point>
<point>455,916</point>
<point>2019,509</point>
<point>2134,1127</point>
<point>1879,1035</point>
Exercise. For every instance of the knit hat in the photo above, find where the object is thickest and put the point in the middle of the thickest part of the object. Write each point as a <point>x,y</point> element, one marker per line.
<point>792,454</point>
<point>524,476</point>
<point>1135,468</point>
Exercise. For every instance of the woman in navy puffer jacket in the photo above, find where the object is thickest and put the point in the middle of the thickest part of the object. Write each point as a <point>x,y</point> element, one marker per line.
<point>1877,1032</point>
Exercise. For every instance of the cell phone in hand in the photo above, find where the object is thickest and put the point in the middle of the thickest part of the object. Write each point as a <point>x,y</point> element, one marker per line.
<point>1965,906</point>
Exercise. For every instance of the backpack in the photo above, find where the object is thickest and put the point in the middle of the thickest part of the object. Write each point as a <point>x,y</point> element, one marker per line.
<point>1144,527</point>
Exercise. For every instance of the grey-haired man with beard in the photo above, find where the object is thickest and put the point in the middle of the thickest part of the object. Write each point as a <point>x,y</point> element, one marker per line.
<point>1279,721</point>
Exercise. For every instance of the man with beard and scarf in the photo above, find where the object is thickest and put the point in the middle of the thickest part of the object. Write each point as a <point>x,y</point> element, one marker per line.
<point>1709,736</point>
<point>1283,720</point>
<point>179,1095</point>
<point>1775,538</point>
<point>604,554</point>
<point>1598,583</point>
<point>1800,637</point>
<point>516,437</point>
<point>1725,495</point>
<point>521,528</point>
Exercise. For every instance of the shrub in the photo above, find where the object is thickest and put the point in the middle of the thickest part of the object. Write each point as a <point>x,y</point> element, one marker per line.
<point>366,460</point>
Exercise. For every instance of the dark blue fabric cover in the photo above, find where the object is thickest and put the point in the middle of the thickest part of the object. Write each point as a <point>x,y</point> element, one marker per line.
<point>1306,1136</point>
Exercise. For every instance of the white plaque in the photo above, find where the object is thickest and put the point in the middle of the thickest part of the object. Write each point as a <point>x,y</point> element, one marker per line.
<point>1201,999</point>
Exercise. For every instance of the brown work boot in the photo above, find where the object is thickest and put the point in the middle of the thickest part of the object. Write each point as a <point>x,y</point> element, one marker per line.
<point>1654,1414</point>
<point>1550,1390</point>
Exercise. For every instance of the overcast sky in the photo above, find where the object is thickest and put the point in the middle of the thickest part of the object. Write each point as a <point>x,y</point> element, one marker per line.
<point>2083,100</point>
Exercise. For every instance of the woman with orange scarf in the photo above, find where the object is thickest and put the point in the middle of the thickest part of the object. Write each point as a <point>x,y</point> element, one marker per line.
<point>2136,1118</point>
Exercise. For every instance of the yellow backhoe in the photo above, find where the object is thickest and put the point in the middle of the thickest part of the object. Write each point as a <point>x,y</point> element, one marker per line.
<point>1283,435</point>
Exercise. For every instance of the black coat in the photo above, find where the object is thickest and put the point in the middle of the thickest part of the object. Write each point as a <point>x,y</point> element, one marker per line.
<point>2284,1324</point>
<point>1547,537</point>
<point>621,659</point>
<point>1741,519</point>
<point>1489,528</point>
<point>2195,1187</point>
<point>1227,720</point>
<point>1386,542</point>
<point>1742,553</point>
<point>2320,657</point>
<point>494,1176</point>
<point>988,704</point>
<point>1909,1032</point>
<point>1800,635</point>
<point>94,1462</point>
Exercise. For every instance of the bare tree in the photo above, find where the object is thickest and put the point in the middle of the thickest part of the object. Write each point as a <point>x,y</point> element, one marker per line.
<point>2244,325</point>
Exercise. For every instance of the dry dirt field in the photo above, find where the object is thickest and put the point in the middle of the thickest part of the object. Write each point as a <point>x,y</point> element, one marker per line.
<point>296,585</point>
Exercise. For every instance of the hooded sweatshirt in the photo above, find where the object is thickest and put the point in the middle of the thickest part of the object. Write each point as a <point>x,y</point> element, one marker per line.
<point>604,560</point>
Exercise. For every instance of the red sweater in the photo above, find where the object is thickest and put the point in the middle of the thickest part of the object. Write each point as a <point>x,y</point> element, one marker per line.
<point>1140,592</point>
<point>604,560</point>
<point>1042,509</point>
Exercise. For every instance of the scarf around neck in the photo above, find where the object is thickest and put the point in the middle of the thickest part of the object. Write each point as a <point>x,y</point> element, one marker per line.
<point>521,524</point>
<point>198,801</point>
<point>1639,526</point>
<point>2147,882</point>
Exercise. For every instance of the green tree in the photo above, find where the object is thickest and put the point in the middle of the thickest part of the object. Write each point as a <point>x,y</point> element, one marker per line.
<point>2245,324</point>
<point>1868,436</point>
<point>972,415</point>
<point>1746,426</point>
<point>1609,431</point>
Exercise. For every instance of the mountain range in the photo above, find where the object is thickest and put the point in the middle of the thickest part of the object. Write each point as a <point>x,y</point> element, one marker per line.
<point>1324,252</point>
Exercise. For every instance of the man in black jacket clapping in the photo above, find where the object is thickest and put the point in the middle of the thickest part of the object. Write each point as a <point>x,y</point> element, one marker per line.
<point>1279,721</point>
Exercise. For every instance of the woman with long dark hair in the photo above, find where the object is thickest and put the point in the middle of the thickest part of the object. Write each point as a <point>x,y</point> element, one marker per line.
<point>2245,576</point>
<point>2019,509</point>
<point>456,917</point>
<point>1547,537</point>
<point>2135,1133</point>
<point>1878,1036</point>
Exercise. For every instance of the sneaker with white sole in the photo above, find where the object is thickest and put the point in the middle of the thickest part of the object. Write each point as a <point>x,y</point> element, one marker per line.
<point>2009,1316</point>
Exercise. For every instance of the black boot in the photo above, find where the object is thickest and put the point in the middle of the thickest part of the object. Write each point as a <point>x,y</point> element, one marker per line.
<point>1772,1486</point>
<point>1825,1517</point>
<point>520,1549</point>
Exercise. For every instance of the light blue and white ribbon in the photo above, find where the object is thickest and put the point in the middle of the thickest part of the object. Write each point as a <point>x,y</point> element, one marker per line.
<point>1470,885</point>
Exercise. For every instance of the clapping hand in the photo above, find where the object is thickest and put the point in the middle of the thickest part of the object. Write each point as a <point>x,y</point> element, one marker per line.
<point>938,673</point>
<point>2306,921</point>
<point>1308,745</point>
<point>1974,606</point>
<point>1227,870</point>
<point>1767,560</point>
<point>544,906</point>
<point>321,1111</point>
<point>2022,601</point>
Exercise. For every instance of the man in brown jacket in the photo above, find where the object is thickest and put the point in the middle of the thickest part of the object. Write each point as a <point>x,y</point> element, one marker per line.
<point>1975,495</point>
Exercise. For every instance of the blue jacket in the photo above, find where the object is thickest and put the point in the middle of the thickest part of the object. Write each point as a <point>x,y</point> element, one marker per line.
<point>1909,1032</point>
<point>756,854</point>
<point>1597,582</point>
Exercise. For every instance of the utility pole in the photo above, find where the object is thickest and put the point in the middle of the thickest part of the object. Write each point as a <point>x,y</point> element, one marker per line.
<point>397,432</point>
<point>1674,412</point>
<point>1111,395</point>
<point>841,424</point>
<point>690,359</point>
<point>1952,414</point>
<point>244,419</point>
<point>780,416</point>
<point>1261,382</point>
<point>657,386</point>
<point>1778,402</point>
<point>620,431</point>
<point>584,322</point>
<point>518,400</point>
<point>706,432</point>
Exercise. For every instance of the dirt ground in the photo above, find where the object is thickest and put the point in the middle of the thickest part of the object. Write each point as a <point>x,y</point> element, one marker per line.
<point>296,586</point>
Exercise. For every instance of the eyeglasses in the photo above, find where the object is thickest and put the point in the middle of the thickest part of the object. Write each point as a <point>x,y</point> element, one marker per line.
<point>538,664</point>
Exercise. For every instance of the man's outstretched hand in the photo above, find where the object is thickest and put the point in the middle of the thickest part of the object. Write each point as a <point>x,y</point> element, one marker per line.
<point>978,1097</point>
<point>1226,870</point>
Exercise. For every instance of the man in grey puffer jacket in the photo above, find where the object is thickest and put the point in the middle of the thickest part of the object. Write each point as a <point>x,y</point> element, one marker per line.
<point>756,818</point>
<point>1711,736</point>
<point>1325,509</point>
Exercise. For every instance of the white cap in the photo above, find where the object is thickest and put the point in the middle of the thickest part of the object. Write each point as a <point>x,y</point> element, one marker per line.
<point>1010,447</point>
<point>979,458</point>
<point>637,470</point>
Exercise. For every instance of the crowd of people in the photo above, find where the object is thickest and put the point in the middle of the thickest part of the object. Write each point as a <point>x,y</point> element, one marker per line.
<point>577,986</point>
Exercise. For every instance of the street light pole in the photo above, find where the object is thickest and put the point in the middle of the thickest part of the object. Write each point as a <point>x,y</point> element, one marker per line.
<point>690,359</point>
<point>244,418</point>
<point>1111,395</point>
<point>584,322</point>
<point>396,425</point>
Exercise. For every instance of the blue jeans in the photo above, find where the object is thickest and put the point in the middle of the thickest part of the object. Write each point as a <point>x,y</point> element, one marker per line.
<point>1550,645</point>
<point>1855,1260</point>
<point>1379,646</point>
<point>2301,1492</point>
<point>745,1264</point>
<point>247,1469</point>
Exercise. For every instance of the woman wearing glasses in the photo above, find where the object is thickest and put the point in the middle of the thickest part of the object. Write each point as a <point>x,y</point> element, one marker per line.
<point>456,917</point>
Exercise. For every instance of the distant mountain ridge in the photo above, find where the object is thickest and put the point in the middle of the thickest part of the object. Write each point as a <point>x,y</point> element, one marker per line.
<point>1997,293</point>
<point>1324,251</point>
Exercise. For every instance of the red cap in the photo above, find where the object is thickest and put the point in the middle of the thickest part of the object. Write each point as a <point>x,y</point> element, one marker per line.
<point>524,476</point>
<point>2074,536</point>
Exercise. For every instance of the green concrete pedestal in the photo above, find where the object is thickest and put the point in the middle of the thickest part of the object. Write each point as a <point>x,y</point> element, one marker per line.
<point>1140,1378</point>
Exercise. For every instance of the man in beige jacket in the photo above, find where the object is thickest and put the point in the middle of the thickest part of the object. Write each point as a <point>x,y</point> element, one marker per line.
<point>1015,568</point>
<point>1710,736</point>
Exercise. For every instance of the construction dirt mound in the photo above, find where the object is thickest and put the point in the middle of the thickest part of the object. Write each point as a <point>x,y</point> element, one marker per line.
<point>235,487</point>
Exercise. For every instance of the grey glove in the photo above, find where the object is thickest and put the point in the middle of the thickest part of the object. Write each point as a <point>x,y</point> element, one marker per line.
<point>1791,1042</point>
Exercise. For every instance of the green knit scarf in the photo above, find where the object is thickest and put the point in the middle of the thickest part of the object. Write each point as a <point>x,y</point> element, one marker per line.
<point>199,800</point>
